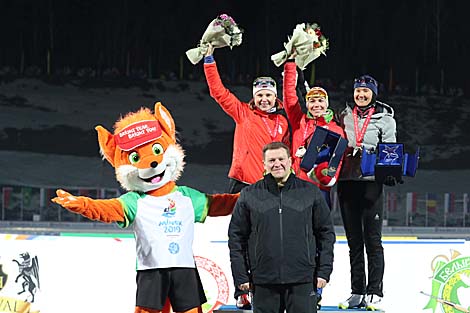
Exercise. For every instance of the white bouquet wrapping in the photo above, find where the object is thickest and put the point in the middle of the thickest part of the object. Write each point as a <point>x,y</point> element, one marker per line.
<point>308,42</point>
<point>221,32</point>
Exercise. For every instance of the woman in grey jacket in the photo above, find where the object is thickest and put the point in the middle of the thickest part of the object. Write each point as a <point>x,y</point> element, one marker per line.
<point>366,123</point>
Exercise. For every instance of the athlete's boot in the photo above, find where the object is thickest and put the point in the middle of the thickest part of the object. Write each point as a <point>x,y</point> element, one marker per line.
<point>353,302</point>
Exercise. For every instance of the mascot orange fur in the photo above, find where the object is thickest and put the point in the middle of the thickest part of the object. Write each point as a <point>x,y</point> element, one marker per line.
<point>148,161</point>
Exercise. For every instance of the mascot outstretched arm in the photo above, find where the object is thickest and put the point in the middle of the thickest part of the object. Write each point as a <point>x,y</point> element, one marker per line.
<point>148,162</point>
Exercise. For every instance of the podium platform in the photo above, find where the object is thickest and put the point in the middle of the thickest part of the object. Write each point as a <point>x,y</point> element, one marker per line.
<point>326,308</point>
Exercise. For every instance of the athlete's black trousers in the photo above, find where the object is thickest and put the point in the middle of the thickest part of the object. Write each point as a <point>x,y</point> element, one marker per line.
<point>362,213</point>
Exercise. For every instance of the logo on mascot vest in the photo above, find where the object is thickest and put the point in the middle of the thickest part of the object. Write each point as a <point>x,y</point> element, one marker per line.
<point>137,134</point>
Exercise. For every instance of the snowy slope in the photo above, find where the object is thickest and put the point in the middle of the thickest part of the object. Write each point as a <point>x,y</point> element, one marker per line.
<point>52,125</point>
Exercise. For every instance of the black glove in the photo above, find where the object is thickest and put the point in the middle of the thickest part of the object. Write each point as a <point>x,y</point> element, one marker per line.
<point>301,82</point>
<point>390,181</point>
<point>301,90</point>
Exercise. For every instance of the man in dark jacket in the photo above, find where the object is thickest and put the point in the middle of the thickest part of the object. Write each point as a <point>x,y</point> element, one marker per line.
<point>283,222</point>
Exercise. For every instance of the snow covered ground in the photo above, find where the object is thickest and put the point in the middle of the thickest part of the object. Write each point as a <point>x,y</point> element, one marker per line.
<point>60,118</point>
<point>47,136</point>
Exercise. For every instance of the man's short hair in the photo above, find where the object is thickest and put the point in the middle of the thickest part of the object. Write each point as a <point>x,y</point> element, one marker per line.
<point>274,146</point>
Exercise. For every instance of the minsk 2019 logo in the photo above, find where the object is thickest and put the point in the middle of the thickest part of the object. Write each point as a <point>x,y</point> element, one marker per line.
<point>170,211</point>
<point>450,284</point>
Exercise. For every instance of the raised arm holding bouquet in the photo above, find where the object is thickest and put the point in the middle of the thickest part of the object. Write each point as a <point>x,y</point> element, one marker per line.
<point>259,121</point>
<point>308,42</point>
<point>223,31</point>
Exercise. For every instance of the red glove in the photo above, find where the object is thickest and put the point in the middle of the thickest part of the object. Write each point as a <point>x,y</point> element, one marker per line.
<point>320,174</point>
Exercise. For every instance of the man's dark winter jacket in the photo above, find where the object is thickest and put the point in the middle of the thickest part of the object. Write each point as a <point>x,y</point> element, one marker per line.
<point>283,230</point>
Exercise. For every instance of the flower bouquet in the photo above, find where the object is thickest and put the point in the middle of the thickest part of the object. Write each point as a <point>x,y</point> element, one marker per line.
<point>221,32</point>
<point>308,42</point>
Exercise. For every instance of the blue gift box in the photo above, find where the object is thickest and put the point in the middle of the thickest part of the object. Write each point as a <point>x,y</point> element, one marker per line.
<point>389,159</point>
<point>325,146</point>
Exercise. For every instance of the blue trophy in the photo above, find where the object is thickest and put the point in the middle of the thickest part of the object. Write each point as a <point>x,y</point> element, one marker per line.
<point>325,146</point>
<point>389,159</point>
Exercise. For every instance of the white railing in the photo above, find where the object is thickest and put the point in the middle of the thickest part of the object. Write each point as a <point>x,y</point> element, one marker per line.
<point>20,203</point>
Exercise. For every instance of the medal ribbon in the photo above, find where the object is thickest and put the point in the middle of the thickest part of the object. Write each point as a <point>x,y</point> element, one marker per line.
<point>360,135</point>
<point>307,133</point>
<point>276,126</point>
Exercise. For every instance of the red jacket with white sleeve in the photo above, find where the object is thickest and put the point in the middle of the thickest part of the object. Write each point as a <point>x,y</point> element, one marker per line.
<point>303,127</point>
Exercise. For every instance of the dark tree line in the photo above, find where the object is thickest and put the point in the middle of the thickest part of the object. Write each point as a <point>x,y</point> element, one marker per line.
<point>408,42</point>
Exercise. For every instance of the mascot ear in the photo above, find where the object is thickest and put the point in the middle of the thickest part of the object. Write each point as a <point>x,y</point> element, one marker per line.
<point>107,144</point>
<point>166,121</point>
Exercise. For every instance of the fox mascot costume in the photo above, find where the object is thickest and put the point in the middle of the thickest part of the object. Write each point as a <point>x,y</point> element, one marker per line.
<point>147,162</point>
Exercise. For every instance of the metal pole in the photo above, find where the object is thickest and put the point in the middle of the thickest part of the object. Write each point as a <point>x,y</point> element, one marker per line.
<point>42,202</point>
<point>409,205</point>
<point>446,207</point>
<point>426,208</point>
<point>465,207</point>
<point>3,203</point>
<point>22,204</point>
<point>59,215</point>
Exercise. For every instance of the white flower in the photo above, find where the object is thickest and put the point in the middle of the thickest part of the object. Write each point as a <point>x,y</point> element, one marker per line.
<point>223,31</point>
<point>308,42</point>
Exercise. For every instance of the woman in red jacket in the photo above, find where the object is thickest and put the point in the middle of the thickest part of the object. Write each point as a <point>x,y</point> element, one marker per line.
<point>303,127</point>
<point>258,122</point>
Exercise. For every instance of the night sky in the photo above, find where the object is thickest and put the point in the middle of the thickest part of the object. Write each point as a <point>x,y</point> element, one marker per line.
<point>424,41</point>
